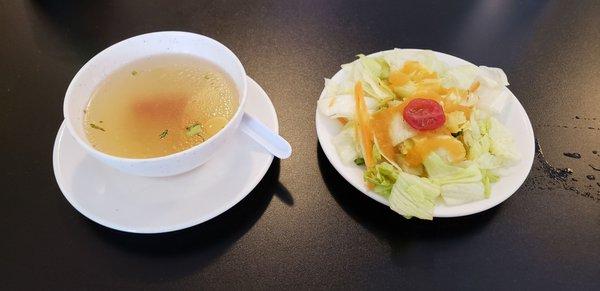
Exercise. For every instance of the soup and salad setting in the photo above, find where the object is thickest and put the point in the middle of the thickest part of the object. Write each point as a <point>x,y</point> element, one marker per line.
<point>426,133</point>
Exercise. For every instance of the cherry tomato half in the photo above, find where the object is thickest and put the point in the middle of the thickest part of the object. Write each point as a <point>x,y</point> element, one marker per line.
<point>424,114</point>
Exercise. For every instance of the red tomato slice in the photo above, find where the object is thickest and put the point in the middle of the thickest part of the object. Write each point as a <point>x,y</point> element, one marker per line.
<point>424,114</point>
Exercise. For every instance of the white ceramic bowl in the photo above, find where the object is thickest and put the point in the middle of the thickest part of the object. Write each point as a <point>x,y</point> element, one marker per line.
<point>157,43</point>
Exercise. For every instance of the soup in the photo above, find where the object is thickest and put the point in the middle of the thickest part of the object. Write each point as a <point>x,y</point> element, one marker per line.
<point>159,106</point>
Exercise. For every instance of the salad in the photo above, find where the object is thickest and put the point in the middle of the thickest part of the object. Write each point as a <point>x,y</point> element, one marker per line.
<point>423,132</point>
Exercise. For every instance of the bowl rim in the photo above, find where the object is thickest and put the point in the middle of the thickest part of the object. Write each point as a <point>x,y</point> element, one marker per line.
<point>177,34</point>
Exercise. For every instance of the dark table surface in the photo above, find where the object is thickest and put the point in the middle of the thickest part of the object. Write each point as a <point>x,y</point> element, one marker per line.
<point>304,226</point>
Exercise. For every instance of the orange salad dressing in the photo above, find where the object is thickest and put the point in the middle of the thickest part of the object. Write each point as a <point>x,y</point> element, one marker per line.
<point>425,142</point>
<point>424,145</point>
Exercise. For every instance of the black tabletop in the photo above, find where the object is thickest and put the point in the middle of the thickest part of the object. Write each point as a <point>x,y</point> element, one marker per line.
<point>304,226</point>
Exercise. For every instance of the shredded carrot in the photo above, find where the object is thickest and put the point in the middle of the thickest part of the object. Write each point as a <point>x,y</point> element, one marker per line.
<point>366,135</point>
<point>343,120</point>
<point>474,86</point>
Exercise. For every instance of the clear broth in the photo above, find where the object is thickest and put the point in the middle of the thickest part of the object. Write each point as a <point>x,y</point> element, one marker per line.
<point>159,106</point>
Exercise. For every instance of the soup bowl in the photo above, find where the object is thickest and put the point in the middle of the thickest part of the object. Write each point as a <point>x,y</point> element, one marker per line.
<point>97,69</point>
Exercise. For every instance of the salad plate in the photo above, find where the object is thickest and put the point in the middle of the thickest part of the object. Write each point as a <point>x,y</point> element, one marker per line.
<point>153,205</point>
<point>508,112</point>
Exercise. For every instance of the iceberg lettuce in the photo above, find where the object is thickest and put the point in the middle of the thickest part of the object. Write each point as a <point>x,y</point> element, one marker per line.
<point>397,57</point>
<point>343,106</point>
<point>455,121</point>
<point>461,193</point>
<point>503,145</point>
<point>458,185</point>
<point>492,92</point>
<point>382,176</point>
<point>461,76</point>
<point>405,90</point>
<point>399,130</point>
<point>345,144</point>
<point>441,172</point>
<point>413,196</point>
<point>333,88</point>
<point>488,179</point>
<point>377,66</point>
<point>490,144</point>
<point>369,71</point>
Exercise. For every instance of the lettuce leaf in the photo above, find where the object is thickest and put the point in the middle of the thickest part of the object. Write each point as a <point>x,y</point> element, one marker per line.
<point>333,88</point>
<point>490,144</point>
<point>397,57</point>
<point>399,130</point>
<point>461,76</point>
<point>488,179</point>
<point>369,71</point>
<point>455,121</point>
<point>377,155</point>
<point>494,74</point>
<point>345,144</point>
<point>492,92</point>
<point>459,185</point>
<point>441,172</point>
<point>376,65</point>
<point>382,176</point>
<point>461,193</point>
<point>405,90</point>
<point>414,196</point>
<point>343,106</point>
<point>503,145</point>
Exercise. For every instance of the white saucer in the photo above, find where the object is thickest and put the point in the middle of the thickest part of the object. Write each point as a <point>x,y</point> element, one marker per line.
<point>153,205</point>
<point>514,118</point>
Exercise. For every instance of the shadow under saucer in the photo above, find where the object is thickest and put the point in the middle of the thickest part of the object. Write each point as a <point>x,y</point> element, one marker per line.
<point>176,254</point>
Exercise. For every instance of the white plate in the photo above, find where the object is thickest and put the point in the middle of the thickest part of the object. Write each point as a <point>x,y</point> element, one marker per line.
<point>153,205</point>
<point>514,117</point>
